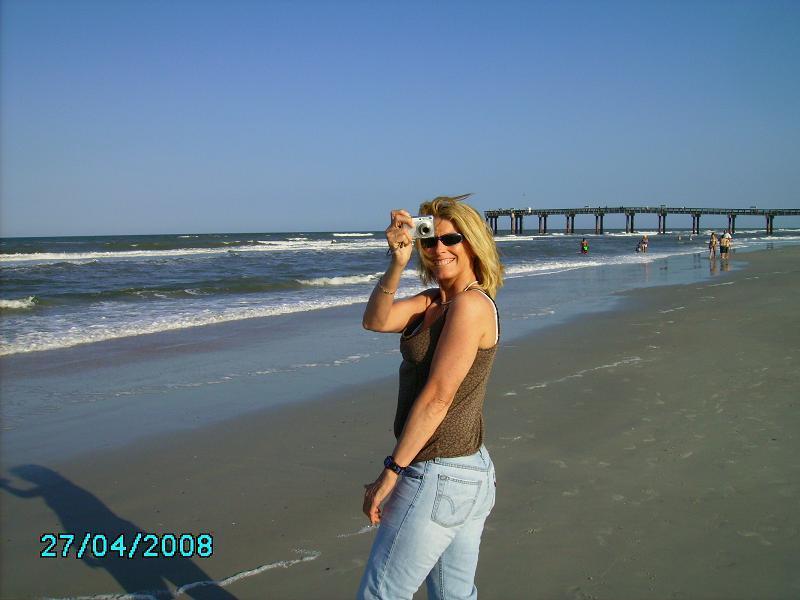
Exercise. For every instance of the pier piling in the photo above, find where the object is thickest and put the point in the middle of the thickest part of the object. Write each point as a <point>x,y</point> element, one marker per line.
<point>570,223</point>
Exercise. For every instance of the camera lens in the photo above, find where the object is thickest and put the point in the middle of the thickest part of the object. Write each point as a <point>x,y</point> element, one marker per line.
<point>424,229</point>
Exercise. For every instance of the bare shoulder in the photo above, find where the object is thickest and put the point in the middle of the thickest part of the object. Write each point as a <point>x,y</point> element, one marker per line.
<point>478,311</point>
<point>475,305</point>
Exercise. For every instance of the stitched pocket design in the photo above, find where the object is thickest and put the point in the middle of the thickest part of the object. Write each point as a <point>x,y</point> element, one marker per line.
<point>454,501</point>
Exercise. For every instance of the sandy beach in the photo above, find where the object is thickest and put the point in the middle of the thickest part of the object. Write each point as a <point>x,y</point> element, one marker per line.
<point>647,452</point>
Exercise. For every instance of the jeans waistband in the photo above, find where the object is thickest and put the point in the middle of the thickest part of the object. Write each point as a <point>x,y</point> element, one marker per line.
<point>480,461</point>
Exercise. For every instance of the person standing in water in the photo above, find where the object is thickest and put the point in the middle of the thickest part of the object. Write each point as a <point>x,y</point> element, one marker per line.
<point>437,487</point>
<point>725,245</point>
<point>584,246</point>
<point>712,246</point>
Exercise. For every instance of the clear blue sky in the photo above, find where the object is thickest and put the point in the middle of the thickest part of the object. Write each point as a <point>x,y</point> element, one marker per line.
<point>137,116</point>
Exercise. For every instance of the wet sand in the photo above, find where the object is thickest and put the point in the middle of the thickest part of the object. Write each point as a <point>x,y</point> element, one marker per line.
<point>649,452</point>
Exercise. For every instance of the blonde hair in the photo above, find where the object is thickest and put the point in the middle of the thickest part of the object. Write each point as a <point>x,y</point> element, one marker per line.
<point>485,261</point>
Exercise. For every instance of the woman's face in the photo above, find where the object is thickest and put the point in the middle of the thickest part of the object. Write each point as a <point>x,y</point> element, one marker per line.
<point>447,262</point>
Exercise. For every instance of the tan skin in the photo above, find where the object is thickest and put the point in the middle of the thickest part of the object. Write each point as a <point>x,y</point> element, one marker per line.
<point>470,325</point>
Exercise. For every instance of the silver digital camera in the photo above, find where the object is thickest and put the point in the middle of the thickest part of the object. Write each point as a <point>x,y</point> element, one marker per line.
<point>422,227</point>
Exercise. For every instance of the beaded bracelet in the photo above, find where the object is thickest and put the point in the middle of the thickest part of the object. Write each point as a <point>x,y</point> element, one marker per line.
<point>383,289</point>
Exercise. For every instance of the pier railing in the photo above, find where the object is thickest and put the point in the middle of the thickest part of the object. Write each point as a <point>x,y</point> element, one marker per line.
<point>517,216</point>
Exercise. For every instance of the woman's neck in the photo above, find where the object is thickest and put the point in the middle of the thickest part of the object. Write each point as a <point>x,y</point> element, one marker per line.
<point>450,287</point>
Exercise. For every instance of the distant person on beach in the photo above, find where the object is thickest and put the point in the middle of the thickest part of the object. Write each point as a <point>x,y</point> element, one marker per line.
<point>712,245</point>
<point>584,246</point>
<point>643,243</point>
<point>437,486</point>
<point>724,245</point>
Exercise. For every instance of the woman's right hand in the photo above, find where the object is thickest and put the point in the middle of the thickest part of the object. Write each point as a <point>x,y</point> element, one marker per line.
<point>398,236</point>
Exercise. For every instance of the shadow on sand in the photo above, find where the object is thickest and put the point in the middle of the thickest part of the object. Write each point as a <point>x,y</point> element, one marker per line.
<point>81,512</point>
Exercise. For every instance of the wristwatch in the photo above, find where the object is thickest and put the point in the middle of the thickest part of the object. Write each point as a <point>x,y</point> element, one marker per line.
<point>389,463</point>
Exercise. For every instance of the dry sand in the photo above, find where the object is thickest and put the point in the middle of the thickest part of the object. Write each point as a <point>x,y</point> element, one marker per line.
<point>650,452</point>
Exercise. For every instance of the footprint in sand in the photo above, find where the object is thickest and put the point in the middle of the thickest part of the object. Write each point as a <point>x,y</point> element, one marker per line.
<point>559,463</point>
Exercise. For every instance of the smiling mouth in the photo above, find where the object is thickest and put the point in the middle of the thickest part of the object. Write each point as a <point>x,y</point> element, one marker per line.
<point>443,261</point>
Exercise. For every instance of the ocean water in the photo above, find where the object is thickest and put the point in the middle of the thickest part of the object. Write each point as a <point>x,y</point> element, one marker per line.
<point>107,340</point>
<point>60,292</point>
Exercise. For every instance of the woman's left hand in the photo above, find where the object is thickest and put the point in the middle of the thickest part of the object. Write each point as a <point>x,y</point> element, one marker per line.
<point>376,492</point>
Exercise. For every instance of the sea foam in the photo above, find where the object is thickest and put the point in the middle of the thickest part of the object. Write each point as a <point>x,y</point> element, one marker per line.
<point>342,280</point>
<point>257,246</point>
<point>22,304</point>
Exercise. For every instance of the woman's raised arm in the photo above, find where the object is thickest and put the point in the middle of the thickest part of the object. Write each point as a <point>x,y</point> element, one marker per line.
<point>383,313</point>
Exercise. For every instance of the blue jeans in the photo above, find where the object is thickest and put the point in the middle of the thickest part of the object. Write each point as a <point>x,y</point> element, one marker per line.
<point>431,530</point>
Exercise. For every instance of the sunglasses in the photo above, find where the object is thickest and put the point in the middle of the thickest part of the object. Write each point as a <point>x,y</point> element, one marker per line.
<point>448,239</point>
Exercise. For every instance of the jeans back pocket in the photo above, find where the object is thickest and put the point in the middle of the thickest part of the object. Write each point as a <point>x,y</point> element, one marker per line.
<point>454,501</point>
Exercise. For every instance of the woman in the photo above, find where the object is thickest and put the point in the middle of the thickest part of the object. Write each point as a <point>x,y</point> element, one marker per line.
<point>712,246</point>
<point>437,486</point>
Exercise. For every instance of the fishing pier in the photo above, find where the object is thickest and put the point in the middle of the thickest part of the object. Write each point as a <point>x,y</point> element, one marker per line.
<point>517,216</point>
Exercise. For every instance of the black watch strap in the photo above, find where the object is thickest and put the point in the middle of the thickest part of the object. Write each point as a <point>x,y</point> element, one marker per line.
<point>389,463</point>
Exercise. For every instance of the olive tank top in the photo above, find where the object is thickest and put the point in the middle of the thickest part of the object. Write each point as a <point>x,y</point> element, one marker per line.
<point>461,431</point>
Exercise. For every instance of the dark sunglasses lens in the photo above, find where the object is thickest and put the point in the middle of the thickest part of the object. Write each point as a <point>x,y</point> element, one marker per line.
<point>451,239</point>
<point>448,239</point>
